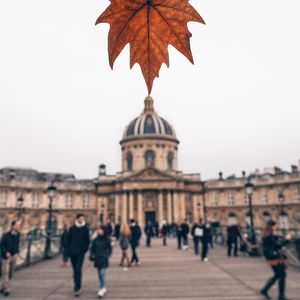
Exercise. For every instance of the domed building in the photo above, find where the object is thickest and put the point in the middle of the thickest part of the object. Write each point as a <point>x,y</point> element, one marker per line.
<point>150,186</point>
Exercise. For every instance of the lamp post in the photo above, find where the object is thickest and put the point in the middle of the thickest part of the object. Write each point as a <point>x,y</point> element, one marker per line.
<point>102,214</point>
<point>51,194</point>
<point>204,201</point>
<point>283,218</point>
<point>252,235</point>
<point>20,202</point>
<point>199,209</point>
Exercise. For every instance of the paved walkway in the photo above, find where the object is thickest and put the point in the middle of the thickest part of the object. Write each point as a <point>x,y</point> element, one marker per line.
<point>166,273</point>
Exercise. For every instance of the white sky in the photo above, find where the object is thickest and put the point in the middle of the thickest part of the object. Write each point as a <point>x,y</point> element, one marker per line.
<point>62,109</point>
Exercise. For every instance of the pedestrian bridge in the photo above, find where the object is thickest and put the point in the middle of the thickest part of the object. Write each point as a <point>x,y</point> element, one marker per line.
<point>165,273</point>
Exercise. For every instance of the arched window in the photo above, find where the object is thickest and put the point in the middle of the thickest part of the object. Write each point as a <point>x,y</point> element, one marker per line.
<point>129,160</point>
<point>170,161</point>
<point>149,125</point>
<point>232,219</point>
<point>266,216</point>
<point>149,159</point>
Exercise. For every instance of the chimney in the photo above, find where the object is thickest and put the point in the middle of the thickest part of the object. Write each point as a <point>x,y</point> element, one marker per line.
<point>294,168</point>
<point>220,175</point>
<point>102,169</point>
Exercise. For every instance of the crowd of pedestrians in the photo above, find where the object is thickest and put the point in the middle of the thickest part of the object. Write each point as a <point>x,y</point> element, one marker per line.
<point>76,241</point>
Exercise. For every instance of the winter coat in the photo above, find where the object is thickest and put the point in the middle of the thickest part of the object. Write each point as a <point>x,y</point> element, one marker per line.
<point>149,230</point>
<point>78,240</point>
<point>117,231</point>
<point>165,229</point>
<point>101,250</point>
<point>124,242</point>
<point>108,229</point>
<point>136,234</point>
<point>64,239</point>
<point>10,243</point>
<point>185,229</point>
<point>233,233</point>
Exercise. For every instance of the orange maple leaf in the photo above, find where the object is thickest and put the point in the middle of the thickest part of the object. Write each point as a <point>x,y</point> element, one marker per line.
<point>149,26</point>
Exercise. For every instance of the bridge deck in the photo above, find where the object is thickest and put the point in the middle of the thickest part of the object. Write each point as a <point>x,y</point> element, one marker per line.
<point>165,273</point>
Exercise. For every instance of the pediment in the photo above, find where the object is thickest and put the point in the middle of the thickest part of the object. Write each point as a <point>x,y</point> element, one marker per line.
<point>150,174</point>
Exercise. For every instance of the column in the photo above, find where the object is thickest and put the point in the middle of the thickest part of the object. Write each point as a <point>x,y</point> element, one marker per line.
<point>160,207</point>
<point>131,209</point>
<point>169,207</point>
<point>140,209</point>
<point>195,212</point>
<point>105,212</point>
<point>182,205</point>
<point>117,208</point>
<point>176,216</point>
<point>124,207</point>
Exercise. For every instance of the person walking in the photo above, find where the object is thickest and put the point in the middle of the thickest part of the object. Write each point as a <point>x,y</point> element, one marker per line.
<point>185,228</point>
<point>124,245</point>
<point>100,252</point>
<point>209,235</point>
<point>108,228</point>
<point>117,231</point>
<point>164,232</point>
<point>64,245</point>
<point>179,235</point>
<point>197,233</point>
<point>272,245</point>
<point>10,243</point>
<point>78,245</point>
<point>204,241</point>
<point>233,234</point>
<point>149,233</point>
<point>135,237</point>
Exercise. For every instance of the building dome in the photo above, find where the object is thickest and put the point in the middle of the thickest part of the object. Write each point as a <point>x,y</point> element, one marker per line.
<point>149,125</point>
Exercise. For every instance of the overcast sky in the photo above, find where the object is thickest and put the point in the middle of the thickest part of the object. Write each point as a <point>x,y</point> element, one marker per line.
<point>62,109</point>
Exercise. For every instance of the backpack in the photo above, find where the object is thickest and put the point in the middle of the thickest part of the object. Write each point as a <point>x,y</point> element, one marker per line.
<point>270,250</point>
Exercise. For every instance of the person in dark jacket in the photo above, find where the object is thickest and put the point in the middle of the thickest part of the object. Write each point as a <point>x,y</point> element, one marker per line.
<point>204,240</point>
<point>9,249</point>
<point>108,228</point>
<point>197,234</point>
<point>155,229</point>
<point>117,231</point>
<point>233,235</point>
<point>149,233</point>
<point>185,228</point>
<point>164,232</point>
<point>179,235</point>
<point>64,245</point>
<point>135,237</point>
<point>272,245</point>
<point>78,245</point>
<point>209,235</point>
<point>100,252</point>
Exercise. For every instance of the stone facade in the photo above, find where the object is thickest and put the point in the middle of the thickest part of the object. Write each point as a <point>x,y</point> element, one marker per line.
<point>149,187</point>
<point>226,197</point>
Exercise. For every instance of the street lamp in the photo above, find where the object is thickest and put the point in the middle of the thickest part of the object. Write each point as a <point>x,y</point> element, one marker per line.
<point>199,209</point>
<point>51,190</point>
<point>283,217</point>
<point>102,214</point>
<point>252,235</point>
<point>20,202</point>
